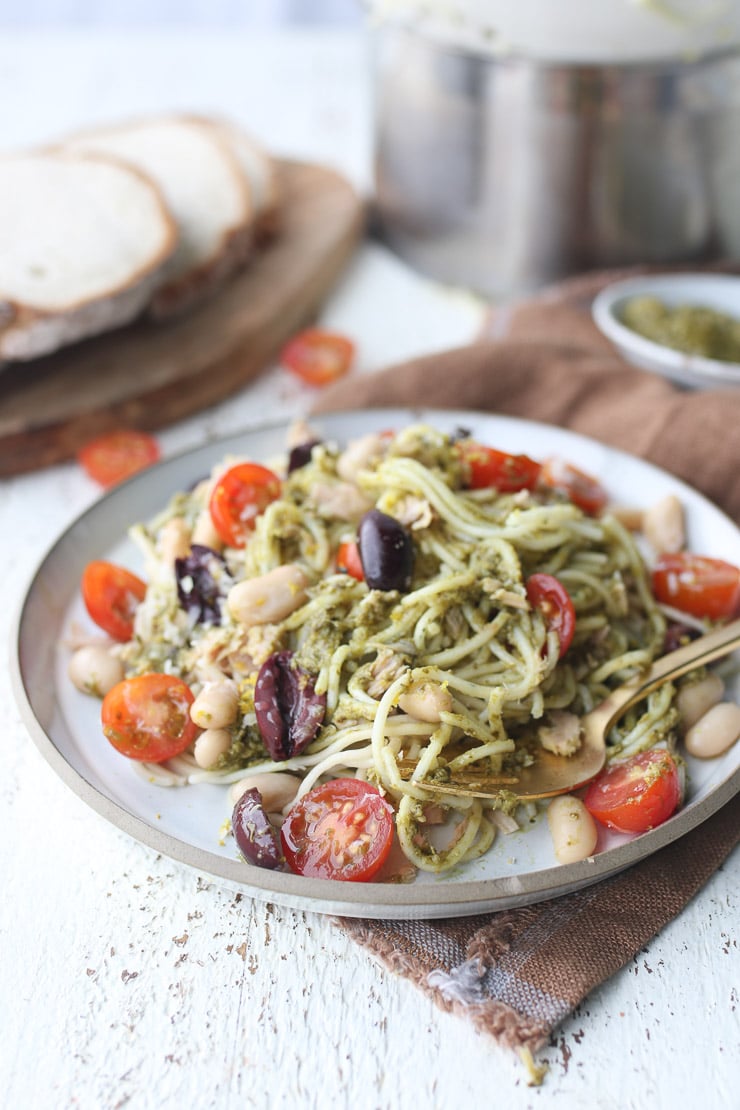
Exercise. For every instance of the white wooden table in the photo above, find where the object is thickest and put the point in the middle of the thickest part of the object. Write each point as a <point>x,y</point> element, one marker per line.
<point>126,979</point>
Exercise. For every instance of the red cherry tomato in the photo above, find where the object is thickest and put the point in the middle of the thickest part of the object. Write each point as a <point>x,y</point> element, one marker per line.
<point>492,469</point>
<point>340,830</point>
<point>583,490</point>
<point>349,561</point>
<point>553,600</point>
<point>318,356</point>
<point>148,717</point>
<point>238,498</point>
<point>111,595</point>
<point>696,584</point>
<point>636,794</point>
<point>113,456</point>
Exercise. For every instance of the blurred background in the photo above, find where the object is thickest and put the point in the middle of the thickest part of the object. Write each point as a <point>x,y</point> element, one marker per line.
<point>213,13</point>
<point>502,146</point>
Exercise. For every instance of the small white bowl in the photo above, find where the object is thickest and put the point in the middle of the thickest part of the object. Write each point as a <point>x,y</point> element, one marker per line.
<point>717,291</point>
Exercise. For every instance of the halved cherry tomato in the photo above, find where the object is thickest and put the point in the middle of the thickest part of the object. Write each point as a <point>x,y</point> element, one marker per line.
<point>238,498</point>
<point>550,596</point>
<point>318,356</point>
<point>148,717</point>
<point>112,595</point>
<point>340,830</point>
<point>113,456</point>
<point>697,584</point>
<point>349,561</point>
<point>583,490</point>
<point>636,794</point>
<point>492,469</point>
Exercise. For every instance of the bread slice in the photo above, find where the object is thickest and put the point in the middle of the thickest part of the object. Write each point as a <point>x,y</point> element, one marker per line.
<point>205,189</point>
<point>83,241</point>
<point>260,171</point>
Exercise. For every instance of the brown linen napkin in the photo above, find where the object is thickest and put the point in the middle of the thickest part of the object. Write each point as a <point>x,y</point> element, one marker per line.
<point>517,974</point>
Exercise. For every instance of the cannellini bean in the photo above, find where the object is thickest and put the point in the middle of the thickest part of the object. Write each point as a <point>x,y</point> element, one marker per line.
<point>694,700</point>
<point>216,705</point>
<point>663,525</point>
<point>628,516</point>
<point>204,532</point>
<point>211,743</point>
<point>94,670</point>
<point>174,540</point>
<point>425,701</point>
<point>573,829</point>
<point>277,789</point>
<point>358,455</point>
<point>715,732</point>
<point>269,598</point>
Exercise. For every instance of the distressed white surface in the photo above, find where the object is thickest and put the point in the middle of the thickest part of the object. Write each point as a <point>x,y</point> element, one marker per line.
<point>126,979</point>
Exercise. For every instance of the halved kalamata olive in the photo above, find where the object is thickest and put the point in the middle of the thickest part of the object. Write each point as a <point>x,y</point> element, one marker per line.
<point>386,552</point>
<point>197,587</point>
<point>289,711</point>
<point>256,838</point>
<point>301,454</point>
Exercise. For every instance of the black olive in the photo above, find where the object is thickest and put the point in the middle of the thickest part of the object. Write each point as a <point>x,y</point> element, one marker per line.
<point>386,552</point>
<point>301,454</point>
<point>289,712</point>
<point>256,838</point>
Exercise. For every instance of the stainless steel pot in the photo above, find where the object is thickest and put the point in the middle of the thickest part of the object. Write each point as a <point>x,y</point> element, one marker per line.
<point>505,174</point>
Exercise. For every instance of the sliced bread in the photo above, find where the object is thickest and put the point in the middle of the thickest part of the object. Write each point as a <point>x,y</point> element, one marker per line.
<point>83,242</point>
<point>259,170</point>
<point>205,189</point>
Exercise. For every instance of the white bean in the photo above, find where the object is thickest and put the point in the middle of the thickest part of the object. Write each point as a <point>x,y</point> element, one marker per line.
<point>174,540</point>
<point>628,516</point>
<point>94,670</point>
<point>715,732</point>
<point>277,789</point>
<point>210,745</point>
<point>573,829</point>
<point>663,525</point>
<point>426,701</point>
<point>693,700</point>
<point>216,705</point>
<point>204,532</point>
<point>269,598</point>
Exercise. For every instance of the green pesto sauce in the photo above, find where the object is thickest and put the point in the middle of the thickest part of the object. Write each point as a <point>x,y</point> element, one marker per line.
<point>692,329</point>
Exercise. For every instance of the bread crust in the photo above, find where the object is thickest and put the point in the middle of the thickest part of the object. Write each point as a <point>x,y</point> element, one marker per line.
<point>28,330</point>
<point>179,290</point>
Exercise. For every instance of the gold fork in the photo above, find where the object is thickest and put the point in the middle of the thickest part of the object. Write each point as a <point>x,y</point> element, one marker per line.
<point>552,774</point>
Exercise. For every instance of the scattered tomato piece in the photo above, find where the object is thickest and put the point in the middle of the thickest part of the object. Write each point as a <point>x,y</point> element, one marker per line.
<point>697,584</point>
<point>550,596</point>
<point>148,717</point>
<point>113,456</point>
<point>238,498</point>
<point>349,561</point>
<point>318,356</point>
<point>636,794</point>
<point>583,490</point>
<point>111,595</point>
<point>489,468</point>
<point>342,829</point>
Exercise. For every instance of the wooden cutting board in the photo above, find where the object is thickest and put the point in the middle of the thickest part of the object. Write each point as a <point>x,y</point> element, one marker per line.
<point>149,375</point>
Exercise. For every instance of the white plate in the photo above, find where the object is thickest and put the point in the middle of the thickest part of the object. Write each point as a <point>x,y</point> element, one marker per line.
<point>184,823</point>
<point>718,291</point>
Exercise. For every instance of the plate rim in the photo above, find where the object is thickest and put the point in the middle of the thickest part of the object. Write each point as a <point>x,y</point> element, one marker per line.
<point>389,900</point>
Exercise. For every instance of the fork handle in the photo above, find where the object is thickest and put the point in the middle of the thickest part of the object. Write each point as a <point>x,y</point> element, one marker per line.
<point>713,645</point>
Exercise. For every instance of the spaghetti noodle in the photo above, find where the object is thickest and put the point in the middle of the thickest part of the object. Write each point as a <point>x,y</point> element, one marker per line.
<point>465,637</point>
